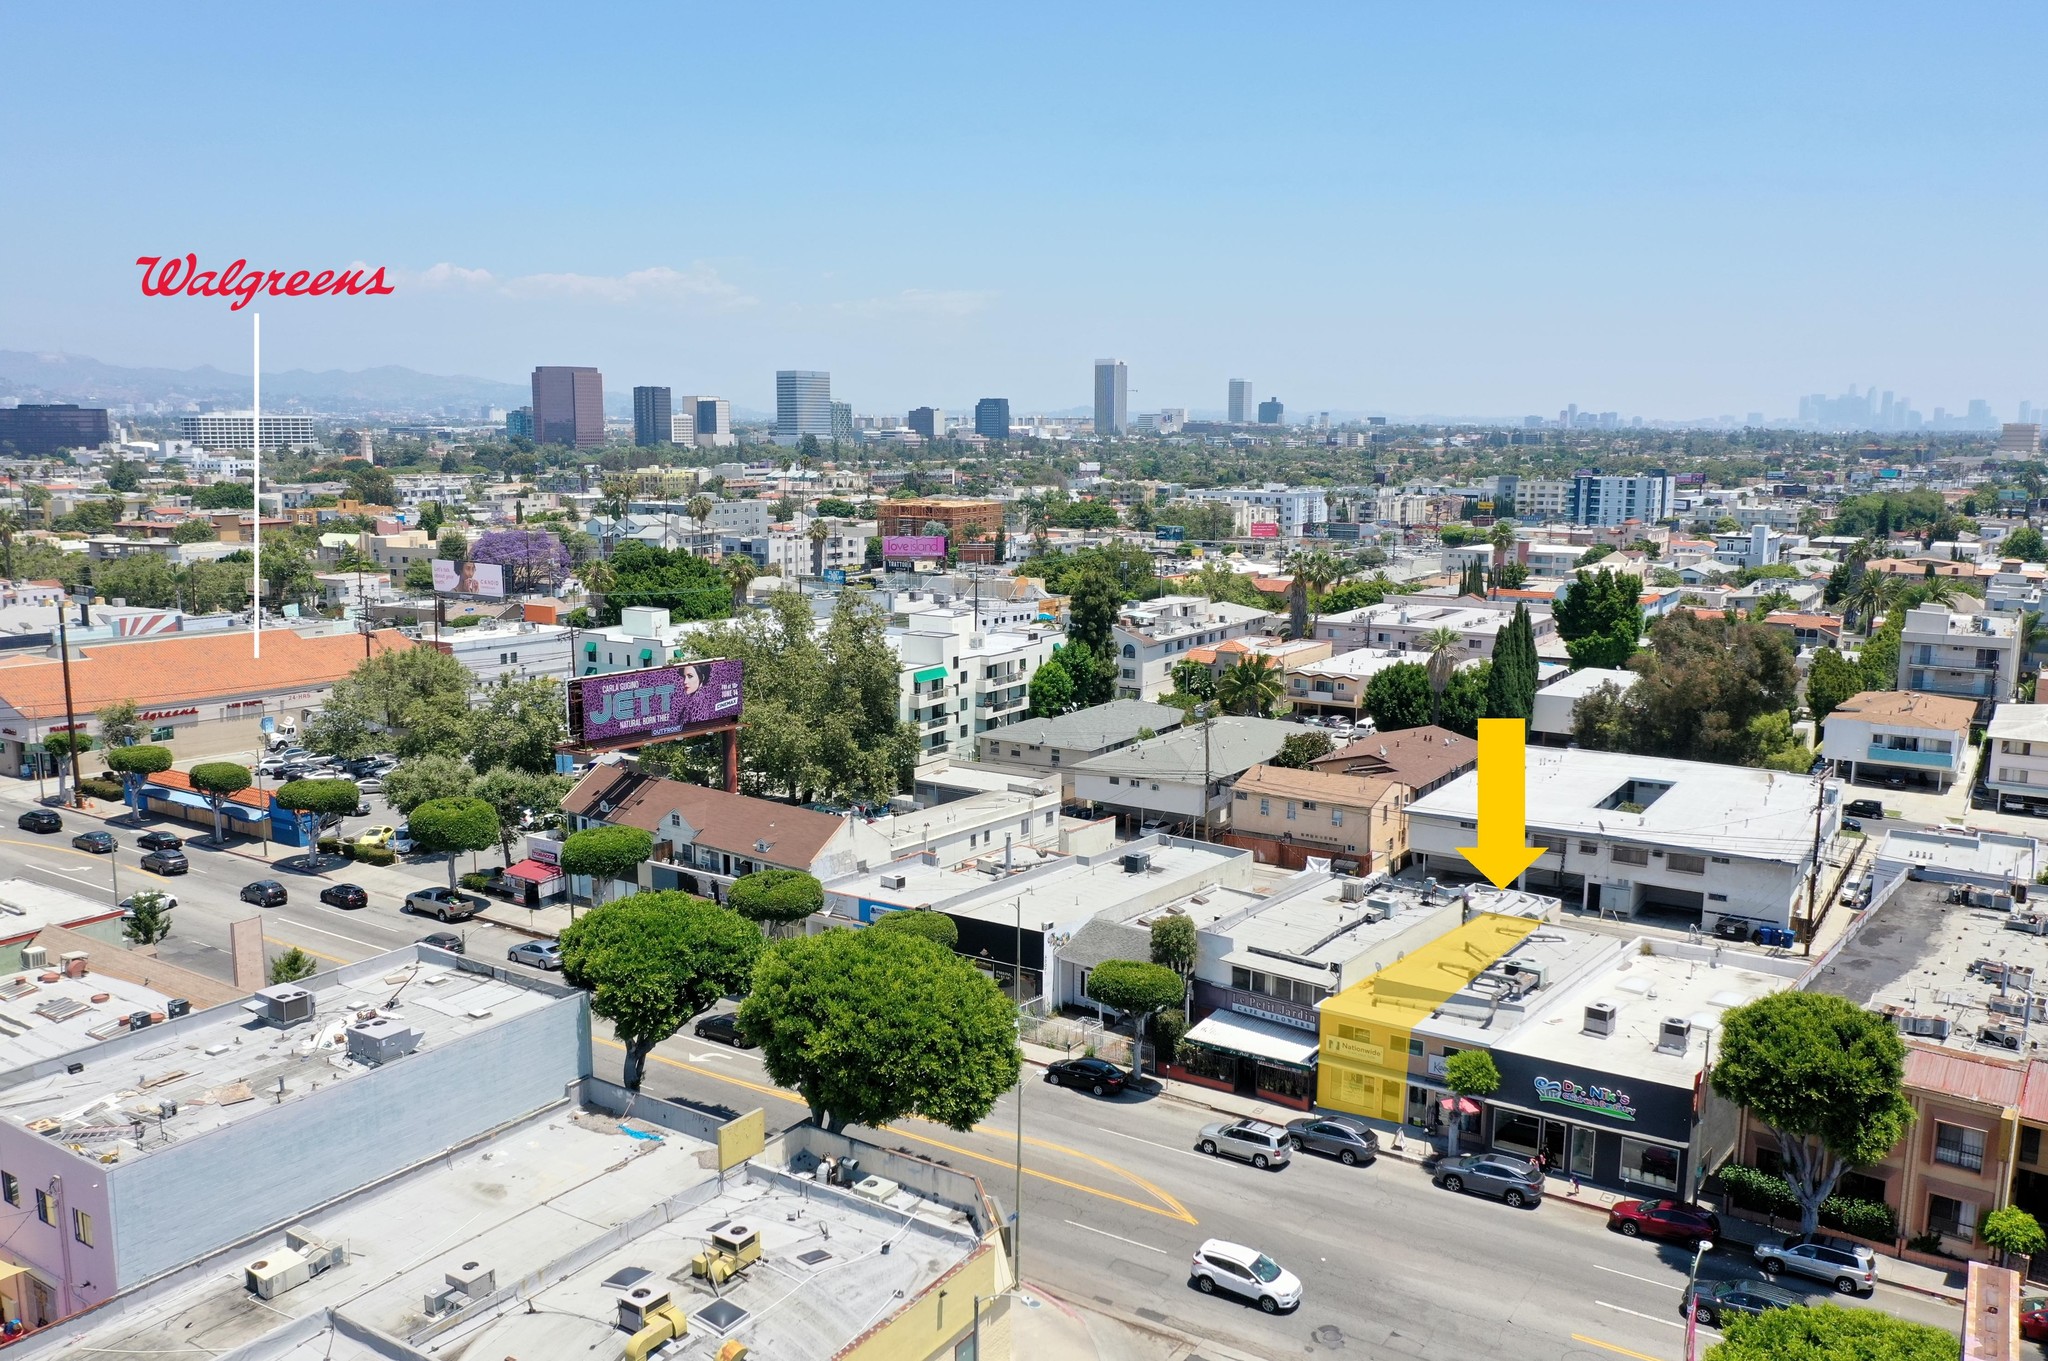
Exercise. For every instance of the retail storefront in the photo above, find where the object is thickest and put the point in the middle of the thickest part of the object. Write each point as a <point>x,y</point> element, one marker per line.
<point>1607,1129</point>
<point>1251,1056</point>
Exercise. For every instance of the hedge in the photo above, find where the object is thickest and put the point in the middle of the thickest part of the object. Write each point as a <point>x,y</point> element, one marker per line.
<point>474,881</point>
<point>1764,1192</point>
<point>100,787</point>
<point>375,855</point>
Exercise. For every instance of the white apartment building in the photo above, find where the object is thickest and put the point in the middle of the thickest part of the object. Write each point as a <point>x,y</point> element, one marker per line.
<point>1552,559</point>
<point>237,430</point>
<point>958,681</point>
<point>1543,499</point>
<point>1900,734</point>
<point>2016,756</point>
<point>1775,515</point>
<point>644,636</point>
<point>521,651</point>
<point>1624,835</point>
<point>1757,546</point>
<point>1393,506</point>
<point>1399,625</point>
<point>1608,500</point>
<point>1976,656</point>
<point>1294,508</point>
<point>790,549</point>
<point>444,489</point>
<point>224,466</point>
<point>1153,635</point>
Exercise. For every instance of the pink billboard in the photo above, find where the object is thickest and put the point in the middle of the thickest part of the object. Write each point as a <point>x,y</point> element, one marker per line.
<point>914,546</point>
<point>1265,529</point>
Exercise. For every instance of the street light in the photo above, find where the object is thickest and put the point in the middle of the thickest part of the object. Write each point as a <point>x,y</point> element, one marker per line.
<point>1692,1303</point>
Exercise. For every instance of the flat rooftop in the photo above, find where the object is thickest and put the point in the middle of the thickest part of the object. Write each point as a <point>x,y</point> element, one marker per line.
<point>44,1014</point>
<point>1695,983</point>
<point>1553,958</point>
<point>224,1064</point>
<point>26,907</point>
<point>1722,810</point>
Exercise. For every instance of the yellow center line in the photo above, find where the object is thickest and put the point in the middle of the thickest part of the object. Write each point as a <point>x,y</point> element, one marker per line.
<point>306,949</point>
<point>1612,1347</point>
<point>1177,1211</point>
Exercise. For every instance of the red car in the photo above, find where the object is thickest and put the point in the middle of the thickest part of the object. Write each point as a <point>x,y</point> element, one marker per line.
<point>1668,1219</point>
<point>2034,1319</point>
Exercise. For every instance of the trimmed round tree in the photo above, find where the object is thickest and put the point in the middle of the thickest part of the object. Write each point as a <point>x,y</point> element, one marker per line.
<point>135,765</point>
<point>1138,989</point>
<point>936,927</point>
<point>219,781</point>
<point>871,1026</point>
<point>452,826</point>
<point>318,798</point>
<point>605,853</point>
<point>652,961</point>
<point>1470,1074</point>
<point>776,897</point>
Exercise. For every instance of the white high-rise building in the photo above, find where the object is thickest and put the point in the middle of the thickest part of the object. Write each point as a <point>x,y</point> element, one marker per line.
<point>1243,406</point>
<point>711,421</point>
<point>1112,397</point>
<point>803,405</point>
<point>237,430</point>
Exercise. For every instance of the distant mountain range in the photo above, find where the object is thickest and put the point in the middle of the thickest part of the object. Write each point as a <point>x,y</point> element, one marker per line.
<point>385,391</point>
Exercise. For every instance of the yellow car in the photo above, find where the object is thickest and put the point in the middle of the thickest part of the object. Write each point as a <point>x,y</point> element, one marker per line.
<point>376,836</point>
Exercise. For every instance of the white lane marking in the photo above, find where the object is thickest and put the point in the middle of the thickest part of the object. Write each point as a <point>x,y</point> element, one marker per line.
<point>1154,1142</point>
<point>1666,1285</point>
<point>306,926</point>
<point>1668,1323</point>
<point>1119,1238</point>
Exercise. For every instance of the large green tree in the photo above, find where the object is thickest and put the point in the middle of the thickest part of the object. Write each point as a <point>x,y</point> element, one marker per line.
<point>1052,687</point>
<point>1828,1332</point>
<point>1600,617</point>
<point>936,927</point>
<point>516,796</point>
<point>776,898</point>
<point>410,701</point>
<point>1139,989</point>
<point>217,782</point>
<point>1704,683</point>
<point>871,1026</point>
<point>1251,686</point>
<point>1399,697</point>
<point>687,586</point>
<point>604,854</point>
<point>1301,750</point>
<point>1826,1076</point>
<point>2023,543</point>
<point>1831,680</point>
<point>118,724</point>
<point>451,826</point>
<point>652,961</point>
<point>135,765</point>
<point>1092,611</point>
<point>315,799</point>
<point>519,723</point>
<point>420,779</point>
<point>1511,684</point>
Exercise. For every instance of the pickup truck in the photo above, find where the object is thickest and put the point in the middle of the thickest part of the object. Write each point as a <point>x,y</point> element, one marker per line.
<point>443,904</point>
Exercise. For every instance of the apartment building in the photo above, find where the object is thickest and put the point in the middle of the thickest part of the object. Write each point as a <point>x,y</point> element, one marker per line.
<point>1975,656</point>
<point>1153,635</point>
<point>1162,780</point>
<point>1608,499</point>
<point>909,516</point>
<point>1900,736</point>
<point>519,651</point>
<point>1400,625</point>
<point>2016,756</point>
<point>1335,687</point>
<point>962,677</point>
<point>1293,509</point>
<point>1052,747</point>
<point>1286,817</point>
<point>1542,499</point>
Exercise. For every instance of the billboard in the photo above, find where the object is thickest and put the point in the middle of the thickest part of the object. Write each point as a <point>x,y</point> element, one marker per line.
<point>1170,533</point>
<point>914,546</point>
<point>835,576</point>
<point>469,578</point>
<point>1265,529</point>
<point>654,703</point>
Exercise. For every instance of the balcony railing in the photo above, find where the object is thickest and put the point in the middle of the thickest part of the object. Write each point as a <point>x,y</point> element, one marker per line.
<point>1900,756</point>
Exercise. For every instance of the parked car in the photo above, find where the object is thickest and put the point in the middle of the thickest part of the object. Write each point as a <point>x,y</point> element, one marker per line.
<point>99,843</point>
<point>723,1026</point>
<point>1350,1141</point>
<point>167,862</point>
<point>1245,1272</point>
<point>1848,1267</point>
<point>289,754</point>
<point>344,895</point>
<point>1257,1142</point>
<point>1852,825</point>
<point>446,904</point>
<point>1722,1300</point>
<point>370,784</point>
<point>39,820</point>
<point>376,836</point>
<point>1671,1220</point>
<point>165,901</point>
<point>265,893</point>
<point>1732,928</point>
<point>1864,808</point>
<point>444,940</point>
<point>1852,891</point>
<point>271,767</point>
<point>1514,1180</point>
<point>2034,1318</point>
<point>160,841</point>
<point>1096,1075</point>
<point>538,954</point>
<point>401,840</point>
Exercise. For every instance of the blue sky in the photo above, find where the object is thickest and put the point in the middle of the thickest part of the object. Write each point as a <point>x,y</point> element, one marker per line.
<point>1487,210</point>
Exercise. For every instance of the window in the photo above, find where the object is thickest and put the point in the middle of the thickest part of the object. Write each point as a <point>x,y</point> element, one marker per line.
<point>963,1350</point>
<point>1518,1133</point>
<point>10,1188</point>
<point>2030,1147</point>
<point>1717,897</point>
<point>1589,848</point>
<point>1685,864</point>
<point>81,1227</point>
<point>1649,1164</point>
<point>46,1208</point>
<point>1265,808</point>
<point>1629,855</point>
<point>1336,817</point>
<point>1954,1218</point>
<point>1959,1147</point>
<point>1290,810</point>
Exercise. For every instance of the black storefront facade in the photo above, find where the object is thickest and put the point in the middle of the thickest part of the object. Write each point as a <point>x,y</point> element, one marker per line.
<point>1635,1135</point>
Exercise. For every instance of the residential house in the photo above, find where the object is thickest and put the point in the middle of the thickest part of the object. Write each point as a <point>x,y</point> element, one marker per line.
<point>1424,759</point>
<point>1286,817</point>
<point>1053,747</point>
<point>1162,780</point>
<point>1900,736</point>
<point>2016,756</point>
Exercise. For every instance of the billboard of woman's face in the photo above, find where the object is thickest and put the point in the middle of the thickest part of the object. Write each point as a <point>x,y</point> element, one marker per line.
<point>693,677</point>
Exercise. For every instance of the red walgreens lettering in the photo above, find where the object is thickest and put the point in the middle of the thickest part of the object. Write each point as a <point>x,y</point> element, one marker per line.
<point>180,276</point>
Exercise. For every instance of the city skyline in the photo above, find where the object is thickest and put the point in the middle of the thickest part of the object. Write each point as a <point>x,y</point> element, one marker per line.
<point>1724,248</point>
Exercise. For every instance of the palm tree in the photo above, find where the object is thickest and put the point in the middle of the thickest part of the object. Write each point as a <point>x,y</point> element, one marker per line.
<point>1441,645</point>
<point>818,533</point>
<point>597,577</point>
<point>1869,594</point>
<point>1502,537</point>
<point>1251,686</point>
<point>10,525</point>
<point>700,508</point>
<point>739,569</point>
<point>2030,638</point>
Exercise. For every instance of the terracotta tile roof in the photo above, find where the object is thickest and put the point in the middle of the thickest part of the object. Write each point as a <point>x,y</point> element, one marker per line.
<point>1418,757</point>
<point>178,779</point>
<point>796,837</point>
<point>183,668</point>
<point>2034,1099</point>
<point>1987,1081</point>
<point>1949,712</point>
<point>1792,619</point>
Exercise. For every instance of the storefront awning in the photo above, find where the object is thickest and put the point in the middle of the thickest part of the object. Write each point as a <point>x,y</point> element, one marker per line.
<point>533,872</point>
<point>1465,1105</point>
<point>1255,1038</point>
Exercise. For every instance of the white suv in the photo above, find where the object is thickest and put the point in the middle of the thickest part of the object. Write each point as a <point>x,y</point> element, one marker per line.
<point>1244,1271</point>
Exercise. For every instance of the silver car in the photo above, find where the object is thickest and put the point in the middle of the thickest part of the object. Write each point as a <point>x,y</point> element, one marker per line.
<point>1514,1180</point>
<point>1257,1142</point>
<point>1849,1267</point>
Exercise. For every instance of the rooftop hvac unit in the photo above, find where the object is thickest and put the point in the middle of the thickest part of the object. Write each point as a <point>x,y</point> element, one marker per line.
<point>1352,890</point>
<point>1914,1023</point>
<point>1600,1018</point>
<point>1386,905</point>
<point>1532,976</point>
<point>878,1189</point>
<point>268,1277</point>
<point>1137,862</point>
<point>35,956</point>
<point>893,881</point>
<point>380,1040</point>
<point>282,1004</point>
<point>318,1253</point>
<point>178,1006</point>
<point>637,1304</point>
<point>1672,1035</point>
<point>473,1279</point>
<point>2001,1036</point>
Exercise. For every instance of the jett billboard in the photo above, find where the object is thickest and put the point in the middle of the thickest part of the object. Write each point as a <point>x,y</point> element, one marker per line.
<point>654,704</point>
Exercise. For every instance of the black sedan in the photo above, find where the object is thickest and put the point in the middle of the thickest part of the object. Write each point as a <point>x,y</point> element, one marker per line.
<point>1095,1075</point>
<point>99,843</point>
<point>344,895</point>
<point>724,1027</point>
<point>1349,1141</point>
<point>443,940</point>
<point>264,893</point>
<point>39,820</point>
<point>160,841</point>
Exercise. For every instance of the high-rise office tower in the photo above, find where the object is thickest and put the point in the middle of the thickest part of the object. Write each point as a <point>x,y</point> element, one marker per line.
<point>36,429</point>
<point>842,421</point>
<point>1112,397</point>
<point>803,405</point>
<point>651,417</point>
<point>682,426</point>
<point>928,421</point>
<point>1271,411</point>
<point>714,421</point>
<point>1242,405</point>
<point>992,418</point>
<point>568,406</point>
<point>519,424</point>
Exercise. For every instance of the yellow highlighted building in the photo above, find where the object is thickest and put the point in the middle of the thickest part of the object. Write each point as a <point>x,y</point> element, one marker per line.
<point>1365,1029</point>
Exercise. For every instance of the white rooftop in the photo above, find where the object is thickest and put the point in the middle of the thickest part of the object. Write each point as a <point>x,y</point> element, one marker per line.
<point>2018,723</point>
<point>1578,684</point>
<point>1365,662</point>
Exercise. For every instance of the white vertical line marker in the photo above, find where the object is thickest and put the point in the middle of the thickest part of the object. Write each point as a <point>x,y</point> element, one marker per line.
<point>256,486</point>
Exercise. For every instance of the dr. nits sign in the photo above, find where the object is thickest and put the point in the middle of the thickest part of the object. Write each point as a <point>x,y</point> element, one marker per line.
<point>1608,1101</point>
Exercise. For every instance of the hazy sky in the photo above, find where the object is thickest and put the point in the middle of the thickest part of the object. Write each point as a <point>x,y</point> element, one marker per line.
<point>1363,207</point>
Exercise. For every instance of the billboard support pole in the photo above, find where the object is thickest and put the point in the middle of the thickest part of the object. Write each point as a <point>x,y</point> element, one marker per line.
<point>732,760</point>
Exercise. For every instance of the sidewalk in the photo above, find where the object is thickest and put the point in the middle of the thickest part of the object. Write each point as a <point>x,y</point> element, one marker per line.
<point>1047,1325</point>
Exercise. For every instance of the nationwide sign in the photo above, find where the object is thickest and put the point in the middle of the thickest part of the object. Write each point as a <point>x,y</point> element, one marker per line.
<point>655,703</point>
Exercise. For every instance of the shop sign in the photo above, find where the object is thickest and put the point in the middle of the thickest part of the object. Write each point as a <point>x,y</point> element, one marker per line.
<point>1608,1101</point>
<point>1266,1013</point>
<point>1357,1050</point>
<point>151,715</point>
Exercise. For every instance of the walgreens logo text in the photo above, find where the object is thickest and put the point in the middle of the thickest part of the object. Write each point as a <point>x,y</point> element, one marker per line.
<point>181,276</point>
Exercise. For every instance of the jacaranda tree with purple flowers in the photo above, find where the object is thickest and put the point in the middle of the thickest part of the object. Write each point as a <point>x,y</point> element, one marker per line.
<point>533,559</point>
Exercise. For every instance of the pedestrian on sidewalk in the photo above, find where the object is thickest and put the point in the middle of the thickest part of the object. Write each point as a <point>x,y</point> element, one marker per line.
<point>1575,1183</point>
<point>1542,1165</point>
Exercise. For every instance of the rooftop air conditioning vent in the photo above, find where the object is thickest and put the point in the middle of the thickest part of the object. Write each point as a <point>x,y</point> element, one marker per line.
<point>893,881</point>
<point>1600,1018</point>
<point>35,956</point>
<point>281,1005</point>
<point>637,1302</point>
<point>2001,1036</point>
<point>1352,890</point>
<point>1137,862</point>
<point>1672,1035</point>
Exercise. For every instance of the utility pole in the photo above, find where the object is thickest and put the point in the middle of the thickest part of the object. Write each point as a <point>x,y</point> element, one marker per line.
<point>70,717</point>
<point>1017,973</point>
<point>1820,804</point>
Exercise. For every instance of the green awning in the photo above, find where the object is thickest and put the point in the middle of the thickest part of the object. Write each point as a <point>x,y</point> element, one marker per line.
<point>591,648</point>
<point>930,673</point>
<point>646,654</point>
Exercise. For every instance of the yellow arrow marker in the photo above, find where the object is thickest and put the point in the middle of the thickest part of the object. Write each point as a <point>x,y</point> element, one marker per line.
<point>1503,851</point>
